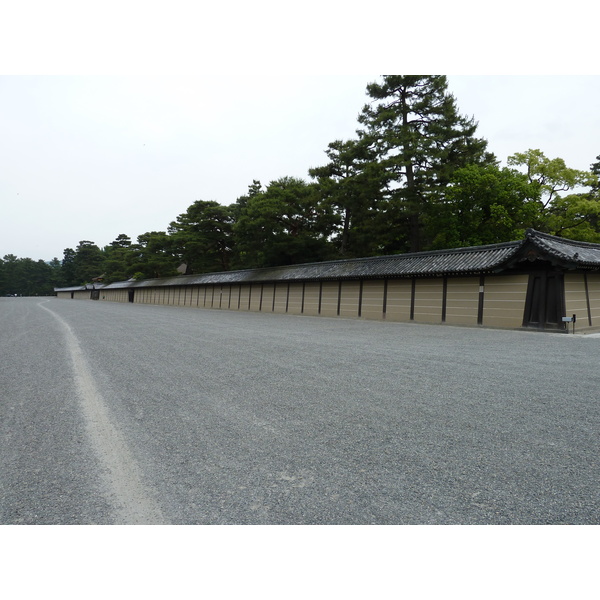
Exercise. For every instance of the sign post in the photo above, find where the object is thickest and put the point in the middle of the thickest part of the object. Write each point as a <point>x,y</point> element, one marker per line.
<point>568,320</point>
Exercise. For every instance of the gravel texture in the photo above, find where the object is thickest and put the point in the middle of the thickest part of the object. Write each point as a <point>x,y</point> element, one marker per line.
<point>254,418</point>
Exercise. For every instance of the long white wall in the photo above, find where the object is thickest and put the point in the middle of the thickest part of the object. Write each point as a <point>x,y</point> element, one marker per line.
<point>493,301</point>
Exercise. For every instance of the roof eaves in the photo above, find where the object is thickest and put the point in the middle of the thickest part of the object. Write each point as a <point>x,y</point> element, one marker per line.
<point>571,253</point>
<point>455,261</point>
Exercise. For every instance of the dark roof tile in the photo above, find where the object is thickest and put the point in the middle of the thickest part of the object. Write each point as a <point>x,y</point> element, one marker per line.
<point>457,261</point>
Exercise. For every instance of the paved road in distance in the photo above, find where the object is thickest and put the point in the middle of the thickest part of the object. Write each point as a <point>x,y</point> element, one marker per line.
<point>126,413</point>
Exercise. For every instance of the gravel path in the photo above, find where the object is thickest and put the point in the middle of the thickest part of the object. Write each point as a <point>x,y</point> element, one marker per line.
<point>252,418</point>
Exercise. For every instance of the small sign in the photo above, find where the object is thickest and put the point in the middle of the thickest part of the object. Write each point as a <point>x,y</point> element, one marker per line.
<point>572,319</point>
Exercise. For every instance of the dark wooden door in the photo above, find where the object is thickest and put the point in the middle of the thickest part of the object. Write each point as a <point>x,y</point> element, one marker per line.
<point>544,306</point>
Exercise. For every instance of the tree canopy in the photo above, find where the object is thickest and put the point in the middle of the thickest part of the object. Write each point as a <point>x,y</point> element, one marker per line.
<point>482,204</point>
<point>417,136</point>
<point>286,223</point>
<point>202,237</point>
<point>416,177</point>
<point>575,215</point>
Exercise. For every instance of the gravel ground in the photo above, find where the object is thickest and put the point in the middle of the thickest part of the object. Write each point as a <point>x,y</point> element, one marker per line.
<point>253,418</point>
<point>48,472</point>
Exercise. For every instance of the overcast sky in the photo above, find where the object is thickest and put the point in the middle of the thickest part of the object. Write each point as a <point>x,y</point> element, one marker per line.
<point>90,157</point>
<point>228,95</point>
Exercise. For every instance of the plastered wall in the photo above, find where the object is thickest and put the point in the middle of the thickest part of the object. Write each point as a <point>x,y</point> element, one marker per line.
<point>499,302</point>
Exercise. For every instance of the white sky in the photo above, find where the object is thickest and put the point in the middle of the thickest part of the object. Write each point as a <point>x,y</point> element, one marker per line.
<point>94,142</point>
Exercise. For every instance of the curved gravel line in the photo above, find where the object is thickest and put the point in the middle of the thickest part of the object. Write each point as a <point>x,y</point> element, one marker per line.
<point>134,505</point>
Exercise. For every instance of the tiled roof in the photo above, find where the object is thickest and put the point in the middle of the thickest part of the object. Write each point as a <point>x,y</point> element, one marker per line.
<point>457,261</point>
<point>80,288</point>
<point>582,254</point>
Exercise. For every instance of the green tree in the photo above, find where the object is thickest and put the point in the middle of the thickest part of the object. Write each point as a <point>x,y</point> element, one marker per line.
<point>56,273</point>
<point>351,184</point>
<point>202,236</point>
<point>67,272</point>
<point>9,275</point>
<point>154,256</point>
<point>285,224</point>
<point>26,277</point>
<point>482,204</point>
<point>595,170</point>
<point>413,125</point>
<point>118,258</point>
<point>575,215</point>
<point>37,277</point>
<point>3,285</point>
<point>88,262</point>
<point>550,175</point>
<point>253,190</point>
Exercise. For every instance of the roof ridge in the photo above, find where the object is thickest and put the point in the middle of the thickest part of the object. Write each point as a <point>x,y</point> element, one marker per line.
<point>480,248</point>
<point>533,234</point>
<point>486,258</point>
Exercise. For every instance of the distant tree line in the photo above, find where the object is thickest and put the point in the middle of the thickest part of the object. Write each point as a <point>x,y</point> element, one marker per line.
<point>27,277</point>
<point>416,177</point>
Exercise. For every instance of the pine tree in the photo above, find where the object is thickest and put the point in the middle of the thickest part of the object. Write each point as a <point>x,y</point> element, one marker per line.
<point>595,169</point>
<point>202,236</point>
<point>350,183</point>
<point>285,224</point>
<point>420,139</point>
